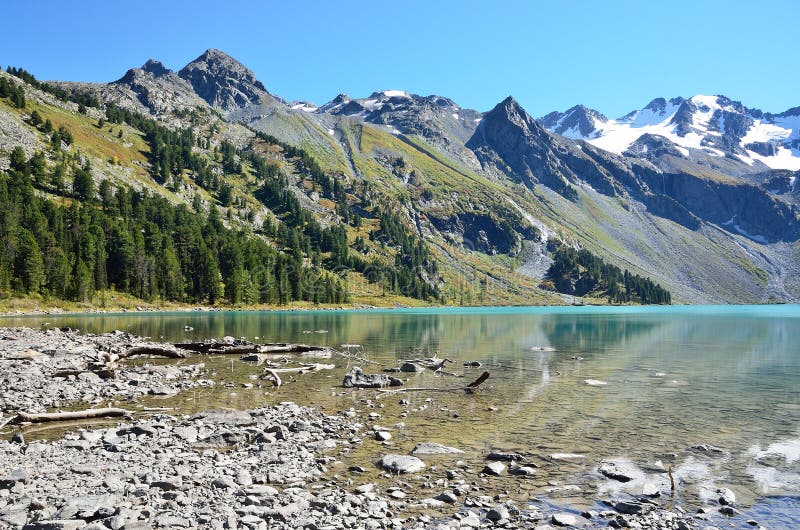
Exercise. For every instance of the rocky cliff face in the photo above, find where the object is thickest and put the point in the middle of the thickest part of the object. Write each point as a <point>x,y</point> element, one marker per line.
<point>222,81</point>
<point>508,140</point>
<point>157,88</point>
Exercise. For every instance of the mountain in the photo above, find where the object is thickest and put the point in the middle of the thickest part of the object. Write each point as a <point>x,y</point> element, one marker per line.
<point>421,198</point>
<point>700,128</point>
<point>223,82</point>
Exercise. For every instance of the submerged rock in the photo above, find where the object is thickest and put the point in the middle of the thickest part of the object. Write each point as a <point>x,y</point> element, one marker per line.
<point>402,463</point>
<point>432,448</point>
<point>618,470</point>
<point>411,367</point>
<point>564,519</point>
<point>494,468</point>
<point>356,378</point>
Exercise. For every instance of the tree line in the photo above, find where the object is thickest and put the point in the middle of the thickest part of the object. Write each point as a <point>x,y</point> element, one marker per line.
<point>237,268</point>
<point>141,244</point>
<point>579,272</point>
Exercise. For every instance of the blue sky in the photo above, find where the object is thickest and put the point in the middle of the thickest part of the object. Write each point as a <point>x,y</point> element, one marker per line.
<point>610,55</point>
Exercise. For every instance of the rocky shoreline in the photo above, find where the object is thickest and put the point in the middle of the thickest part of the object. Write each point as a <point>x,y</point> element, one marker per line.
<point>277,467</point>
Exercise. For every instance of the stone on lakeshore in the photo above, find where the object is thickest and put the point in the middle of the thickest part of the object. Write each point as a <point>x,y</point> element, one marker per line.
<point>618,470</point>
<point>162,390</point>
<point>650,490</point>
<point>726,496</point>
<point>356,378</point>
<point>85,469</point>
<point>56,524</point>
<point>494,468</point>
<point>498,513</point>
<point>632,507</point>
<point>447,496</point>
<point>506,457</point>
<point>564,519</point>
<point>262,490</point>
<point>88,507</point>
<point>525,471</point>
<point>166,520</point>
<point>411,367</point>
<point>432,448</point>
<point>16,475</point>
<point>402,463</point>
<point>232,417</point>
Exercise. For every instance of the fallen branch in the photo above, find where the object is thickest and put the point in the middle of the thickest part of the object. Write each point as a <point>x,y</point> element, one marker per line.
<point>273,376</point>
<point>44,417</point>
<point>301,369</point>
<point>469,388</point>
<point>157,351</point>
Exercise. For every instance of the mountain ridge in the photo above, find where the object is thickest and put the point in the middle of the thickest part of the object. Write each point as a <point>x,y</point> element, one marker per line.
<point>485,188</point>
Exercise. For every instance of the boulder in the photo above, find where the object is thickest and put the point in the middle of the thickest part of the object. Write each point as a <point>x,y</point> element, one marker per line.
<point>494,468</point>
<point>618,470</point>
<point>356,378</point>
<point>564,519</point>
<point>402,463</point>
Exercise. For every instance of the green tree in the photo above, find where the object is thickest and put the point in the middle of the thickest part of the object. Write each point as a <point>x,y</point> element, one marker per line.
<point>83,185</point>
<point>29,266</point>
<point>18,160</point>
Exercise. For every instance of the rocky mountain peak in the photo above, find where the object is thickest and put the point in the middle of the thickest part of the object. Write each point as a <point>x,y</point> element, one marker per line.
<point>156,68</point>
<point>222,81</point>
<point>578,122</point>
<point>510,113</point>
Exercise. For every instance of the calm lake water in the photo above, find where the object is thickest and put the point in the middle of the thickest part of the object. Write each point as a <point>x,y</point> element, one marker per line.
<point>660,380</point>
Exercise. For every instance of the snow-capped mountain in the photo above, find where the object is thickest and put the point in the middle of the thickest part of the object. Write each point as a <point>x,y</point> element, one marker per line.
<point>714,126</point>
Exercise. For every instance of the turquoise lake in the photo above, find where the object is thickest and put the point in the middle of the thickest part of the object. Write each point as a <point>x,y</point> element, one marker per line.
<point>569,387</point>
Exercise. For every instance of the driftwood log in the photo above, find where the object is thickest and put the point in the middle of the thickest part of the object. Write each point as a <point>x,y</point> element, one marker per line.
<point>469,388</point>
<point>152,349</point>
<point>222,348</point>
<point>22,417</point>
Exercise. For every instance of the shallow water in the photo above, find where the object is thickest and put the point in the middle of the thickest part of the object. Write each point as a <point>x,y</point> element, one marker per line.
<point>660,380</point>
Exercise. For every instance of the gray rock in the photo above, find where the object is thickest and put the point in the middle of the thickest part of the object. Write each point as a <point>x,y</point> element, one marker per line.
<point>17,475</point>
<point>85,469</point>
<point>231,417</point>
<point>56,524</point>
<point>383,436</point>
<point>564,519</point>
<point>650,490</point>
<point>262,490</point>
<point>498,513</point>
<point>88,506</point>
<point>402,463</point>
<point>432,448</point>
<point>504,457</point>
<point>167,484</point>
<point>411,367</point>
<point>81,445</point>
<point>525,471</point>
<point>632,507</point>
<point>166,520</point>
<point>726,496</point>
<point>162,390</point>
<point>620,471</point>
<point>494,468</point>
<point>356,378</point>
<point>223,483</point>
<point>447,496</point>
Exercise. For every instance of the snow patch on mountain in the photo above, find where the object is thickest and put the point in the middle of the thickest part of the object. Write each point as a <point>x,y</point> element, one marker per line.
<point>703,122</point>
